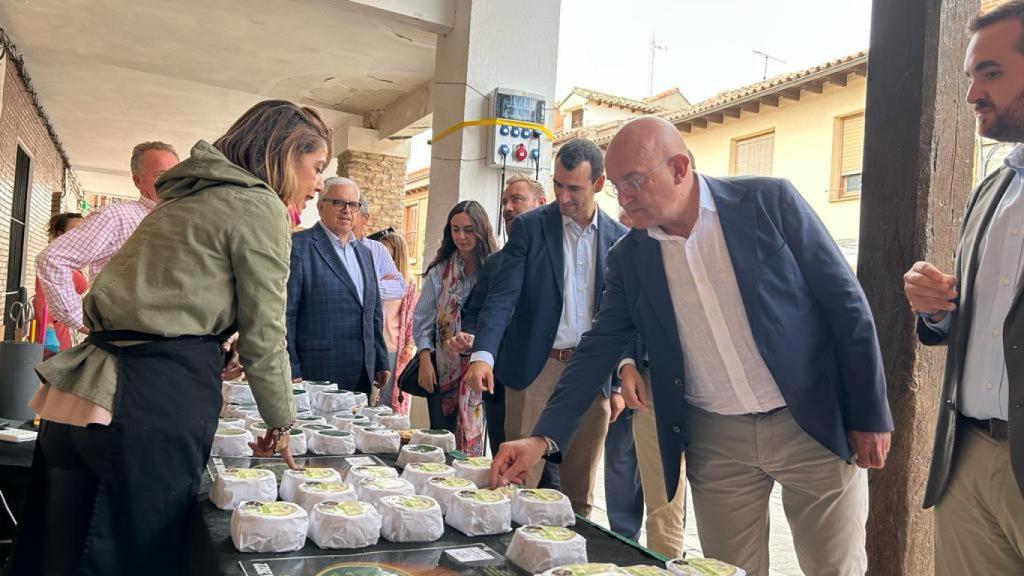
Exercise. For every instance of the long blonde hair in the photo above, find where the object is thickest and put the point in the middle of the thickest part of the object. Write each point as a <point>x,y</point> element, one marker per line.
<point>396,244</point>
<point>269,139</point>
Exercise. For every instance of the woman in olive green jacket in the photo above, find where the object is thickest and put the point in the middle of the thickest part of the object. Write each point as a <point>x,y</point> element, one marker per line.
<point>112,495</point>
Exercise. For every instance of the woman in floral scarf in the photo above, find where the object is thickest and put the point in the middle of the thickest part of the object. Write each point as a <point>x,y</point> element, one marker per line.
<point>468,240</point>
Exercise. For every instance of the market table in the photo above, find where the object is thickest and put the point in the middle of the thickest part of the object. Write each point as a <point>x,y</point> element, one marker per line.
<point>213,553</point>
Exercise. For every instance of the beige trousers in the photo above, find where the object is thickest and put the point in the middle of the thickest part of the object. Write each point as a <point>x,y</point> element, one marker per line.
<point>979,522</point>
<point>419,414</point>
<point>732,464</point>
<point>578,471</point>
<point>664,519</point>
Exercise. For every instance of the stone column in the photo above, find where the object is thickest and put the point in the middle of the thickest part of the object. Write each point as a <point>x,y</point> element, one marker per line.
<point>378,167</point>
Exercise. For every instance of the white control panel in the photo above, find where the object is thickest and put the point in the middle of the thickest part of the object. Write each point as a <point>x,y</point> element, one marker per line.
<point>512,145</point>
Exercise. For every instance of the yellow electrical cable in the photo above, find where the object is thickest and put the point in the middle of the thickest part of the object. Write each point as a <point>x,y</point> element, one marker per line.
<point>490,122</point>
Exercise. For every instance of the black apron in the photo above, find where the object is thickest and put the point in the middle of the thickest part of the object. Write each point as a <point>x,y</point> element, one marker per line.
<point>164,418</point>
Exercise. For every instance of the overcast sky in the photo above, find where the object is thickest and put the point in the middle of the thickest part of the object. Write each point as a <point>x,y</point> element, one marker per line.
<point>707,45</point>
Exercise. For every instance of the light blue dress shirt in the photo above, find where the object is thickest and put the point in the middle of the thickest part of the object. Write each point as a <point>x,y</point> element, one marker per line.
<point>383,264</point>
<point>579,253</point>
<point>984,391</point>
<point>424,317</point>
<point>347,253</point>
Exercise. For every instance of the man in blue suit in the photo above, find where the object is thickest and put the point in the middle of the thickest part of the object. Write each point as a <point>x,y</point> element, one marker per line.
<point>334,315</point>
<point>763,357</point>
<point>540,302</point>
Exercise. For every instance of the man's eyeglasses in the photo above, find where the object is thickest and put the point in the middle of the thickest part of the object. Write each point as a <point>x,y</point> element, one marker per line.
<point>631,186</point>
<point>340,205</point>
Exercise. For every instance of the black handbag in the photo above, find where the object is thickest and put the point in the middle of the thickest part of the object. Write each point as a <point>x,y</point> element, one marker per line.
<point>409,380</point>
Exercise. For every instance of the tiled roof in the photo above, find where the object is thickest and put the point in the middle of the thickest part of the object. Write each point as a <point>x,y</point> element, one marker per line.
<point>616,101</point>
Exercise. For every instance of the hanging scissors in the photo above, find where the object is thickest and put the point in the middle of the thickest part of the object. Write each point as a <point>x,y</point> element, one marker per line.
<point>21,314</point>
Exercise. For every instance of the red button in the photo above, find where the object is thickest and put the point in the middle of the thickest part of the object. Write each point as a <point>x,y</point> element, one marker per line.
<point>521,153</point>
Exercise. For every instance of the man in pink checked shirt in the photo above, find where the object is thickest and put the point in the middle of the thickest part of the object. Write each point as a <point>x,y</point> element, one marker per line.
<point>92,244</point>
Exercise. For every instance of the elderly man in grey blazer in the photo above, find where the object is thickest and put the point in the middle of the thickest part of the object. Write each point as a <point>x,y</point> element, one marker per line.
<point>976,481</point>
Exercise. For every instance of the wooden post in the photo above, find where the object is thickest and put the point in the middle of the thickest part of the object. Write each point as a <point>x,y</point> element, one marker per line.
<point>918,157</point>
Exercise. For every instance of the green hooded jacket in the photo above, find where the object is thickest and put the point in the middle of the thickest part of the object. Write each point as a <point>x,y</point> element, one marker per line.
<point>213,253</point>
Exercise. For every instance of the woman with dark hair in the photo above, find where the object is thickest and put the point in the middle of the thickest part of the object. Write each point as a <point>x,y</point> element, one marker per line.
<point>53,334</point>
<point>468,240</point>
<point>114,479</point>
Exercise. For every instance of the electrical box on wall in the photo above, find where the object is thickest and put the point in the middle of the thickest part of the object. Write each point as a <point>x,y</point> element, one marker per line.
<point>512,145</point>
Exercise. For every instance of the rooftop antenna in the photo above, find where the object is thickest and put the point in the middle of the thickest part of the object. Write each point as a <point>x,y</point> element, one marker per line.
<point>650,74</point>
<point>767,57</point>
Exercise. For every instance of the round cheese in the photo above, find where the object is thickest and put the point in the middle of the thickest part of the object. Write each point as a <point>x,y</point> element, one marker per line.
<point>702,567</point>
<point>344,524</point>
<point>231,442</point>
<point>393,421</point>
<point>542,506</point>
<point>443,439</point>
<point>359,473</point>
<point>269,527</point>
<point>377,441</point>
<point>418,473</point>
<point>237,392</point>
<point>410,519</point>
<point>539,548</point>
<point>345,420</point>
<point>309,494</point>
<point>373,489</point>
<point>334,400</point>
<point>419,453</point>
<point>332,443</point>
<point>441,489</point>
<point>291,479</point>
<point>479,512</point>
<point>477,470</point>
<point>236,485</point>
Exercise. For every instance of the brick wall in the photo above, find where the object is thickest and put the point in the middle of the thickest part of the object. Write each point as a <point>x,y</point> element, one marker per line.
<point>381,178</point>
<point>21,124</point>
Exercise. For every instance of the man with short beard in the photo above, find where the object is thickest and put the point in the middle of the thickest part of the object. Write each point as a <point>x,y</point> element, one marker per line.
<point>976,481</point>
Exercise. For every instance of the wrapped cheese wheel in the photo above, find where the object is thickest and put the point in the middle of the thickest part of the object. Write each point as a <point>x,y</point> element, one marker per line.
<point>418,473</point>
<point>373,489</point>
<point>477,470</point>
<point>301,421</point>
<point>269,527</point>
<point>334,400</point>
<point>372,412</point>
<point>378,441</point>
<point>479,512</point>
<point>542,506</point>
<point>311,493</point>
<point>344,524</point>
<point>315,388</point>
<point>590,569</point>
<point>345,420</point>
<point>236,485</point>
<point>443,439</point>
<point>702,567</point>
<point>441,488</point>
<point>231,423</point>
<point>237,392</point>
<point>645,570</point>
<point>296,442</point>
<point>252,420</point>
<point>332,443</point>
<point>419,453</point>
<point>311,429</point>
<point>393,421</point>
<point>231,442</point>
<point>539,548</point>
<point>291,479</point>
<point>360,473</point>
<point>301,400</point>
<point>359,399</point>
<point>410,519</point>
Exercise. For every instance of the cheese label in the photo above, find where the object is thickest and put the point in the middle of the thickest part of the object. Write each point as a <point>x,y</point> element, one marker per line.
<point>450,482</point>
<point>350,508</point>
<point>269,508</point>
<point>586,570</point>
<point>541,495</point>
<point>326,487</point>
<point>550,533</point>
<point>314,473</point>
<point>247,473</point>
<point>413,502</point>
<point>375,471</point>
<point>477,462</point>
<point>230,432</point>
<point>642,570</point>
<point>385,483</point>
<point>431,467</point>
<point>483,495</point>
<point>422,448</point>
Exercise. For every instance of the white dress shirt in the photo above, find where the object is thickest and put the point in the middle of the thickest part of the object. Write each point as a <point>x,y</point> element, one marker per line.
<point>347,253</point>
<point>984,393</point>
<point>725,373</point>
<point>579,255</point>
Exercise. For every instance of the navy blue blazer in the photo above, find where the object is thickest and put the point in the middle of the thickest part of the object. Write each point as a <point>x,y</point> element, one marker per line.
<point>478,295</point>
<point>808,315</point>
<point>331,336</point>
<point>519,319</point>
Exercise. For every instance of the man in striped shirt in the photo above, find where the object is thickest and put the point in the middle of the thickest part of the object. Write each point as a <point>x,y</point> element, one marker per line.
<point>90,246</point>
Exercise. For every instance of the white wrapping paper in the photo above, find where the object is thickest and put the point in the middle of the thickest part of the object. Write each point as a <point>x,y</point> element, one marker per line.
<point>360,473</point>
<point>252,420</point>
<point>345,420</point>
<point>236,485</point>
<point>539,548</point>
<point>315,388</point>
<point>419,453</point>
<point>269,527</point>
<point>418,473</point>
<point>477,470</point>
<point>296,442</point>
<point>479,512</point>
<point>372,412</point>
<point>380,441</point>
<point>344,524</point>
<point>373,489</point>
<point>301,421</point>
<point>441,489</point>
<point>291,480</point>
<point>702,567</point>
<point>410,519</point>
<point>645,570</point>
<point>542,506</point>
<point>443,439</point>
<point>393,421</point>
<point>332,443</point>
<point>585,569</point>
<point>231,442</point>
<point>311,429</point>
<point>236,392</point>
<point>360,399</point>
<point>301,400</point>
<point>231,423</point>
<point>334,400</point>
<point>309,494</point>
